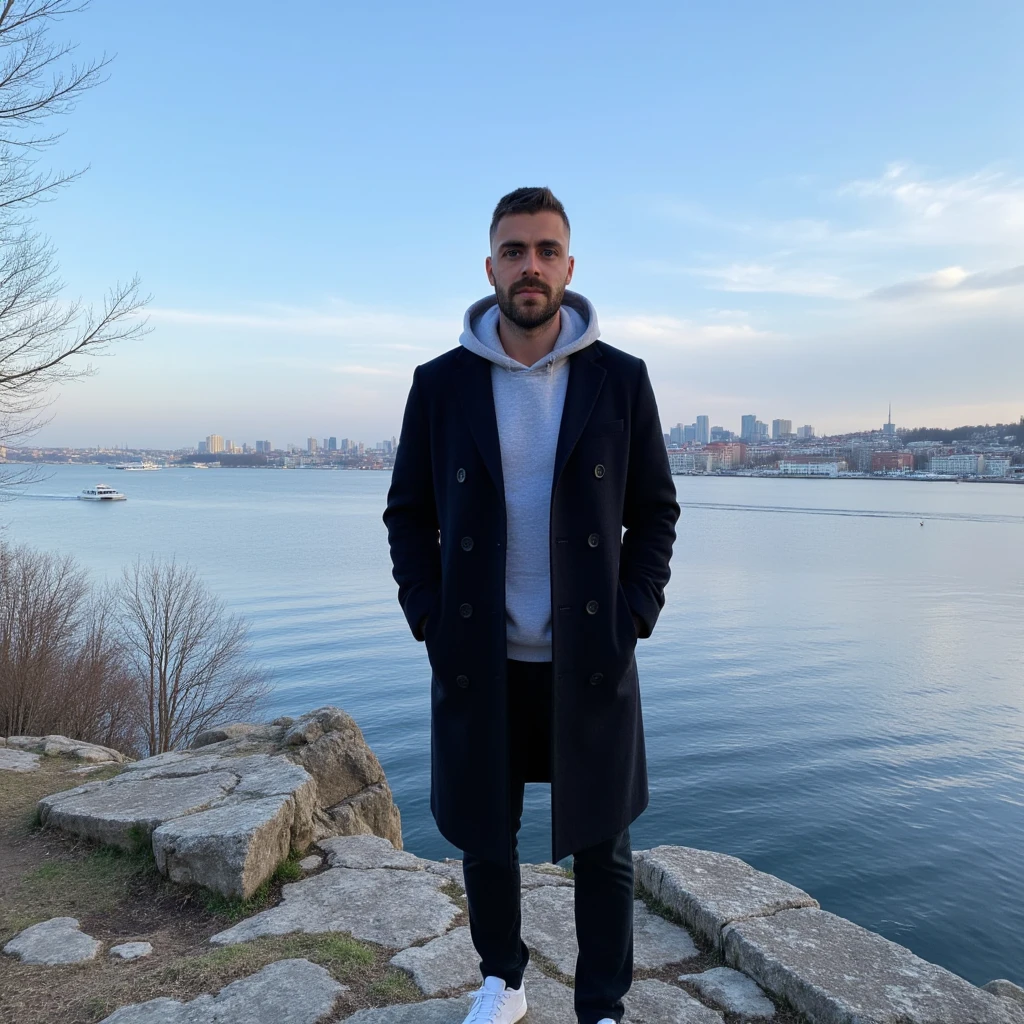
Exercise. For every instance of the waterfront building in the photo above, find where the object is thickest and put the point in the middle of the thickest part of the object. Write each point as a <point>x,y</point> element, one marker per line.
<point>790,468</point>
<point>747,428</point>
<point>997,465</point>
<point>727,454</point>
<point>958,465</point>
<point>690,462</point>
<point>892,462</point>
<point>703,430</point>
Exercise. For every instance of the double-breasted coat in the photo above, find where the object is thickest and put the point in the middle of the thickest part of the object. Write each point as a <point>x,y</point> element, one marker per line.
<point>612,526</point>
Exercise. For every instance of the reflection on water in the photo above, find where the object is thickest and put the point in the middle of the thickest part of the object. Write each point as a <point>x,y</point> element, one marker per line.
<point>833,693</point>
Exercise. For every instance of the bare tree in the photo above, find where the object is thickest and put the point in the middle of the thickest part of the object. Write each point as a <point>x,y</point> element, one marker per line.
<point>43,608</point>
<point>39,332</point>
<point>190,657</point>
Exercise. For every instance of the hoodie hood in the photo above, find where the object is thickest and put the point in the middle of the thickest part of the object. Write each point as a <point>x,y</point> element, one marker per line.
<point>480,332</point>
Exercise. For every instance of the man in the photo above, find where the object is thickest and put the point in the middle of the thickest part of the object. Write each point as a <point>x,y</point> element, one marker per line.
<point>524,453</point>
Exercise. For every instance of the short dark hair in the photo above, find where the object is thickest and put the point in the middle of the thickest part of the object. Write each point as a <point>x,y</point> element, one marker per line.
<point>527,200</point>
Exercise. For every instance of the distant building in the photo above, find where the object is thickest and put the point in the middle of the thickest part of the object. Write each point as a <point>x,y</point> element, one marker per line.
<point>806,431</point>
<point>690,462</point>
<point>760,431</point>
<point>830,469</point>
<point>311,445</point>
<point>703,428</point>
<point>958,465</point>
<point>690,433</point>
<point>997,465</point>
<point>721,434</point>
<point>214,444</point>
<point>727,455</point>
<point>889,429</point>
<point>892,462</point>
<point>202,448</point>
<point>781,429</point>
<point>747,428</point>
<point>676,434</point>
<point>332,444</point>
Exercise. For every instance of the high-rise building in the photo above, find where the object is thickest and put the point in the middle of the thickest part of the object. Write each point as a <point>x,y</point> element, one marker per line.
<point>203,447</point>
<point>214,444</point>
<point>747,431</point>
<point>311,445</point>
<point>689,433</point>
<point>760,431</point>
<point>332,444</point>
<point>675,434</point>
<point>806,431</point>
<point>703,428</point>
<point>781,429</point>
<point>344,444</point>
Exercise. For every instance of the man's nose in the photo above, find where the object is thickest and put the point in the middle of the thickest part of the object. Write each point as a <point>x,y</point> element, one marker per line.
<point>531,265</point>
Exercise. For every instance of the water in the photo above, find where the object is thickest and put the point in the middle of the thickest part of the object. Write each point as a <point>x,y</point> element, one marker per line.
<point>835,692</point>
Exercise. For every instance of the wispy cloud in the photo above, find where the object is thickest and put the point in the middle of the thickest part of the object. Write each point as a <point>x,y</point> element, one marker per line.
<point>951,280</point>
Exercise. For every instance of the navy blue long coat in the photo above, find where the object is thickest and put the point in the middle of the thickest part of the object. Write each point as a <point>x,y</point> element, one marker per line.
<point>446,526</point>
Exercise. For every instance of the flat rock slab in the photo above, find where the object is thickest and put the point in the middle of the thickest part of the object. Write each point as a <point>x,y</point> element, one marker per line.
<point>18,760</point>
<point>57,941</point>
<point>365,852</point>
<point>433,1011</point>
<point>733,992</point>
<point>535,875</point>
<point>836,972</point>
<point>445,964</point>
<point>548,1001</point>
<point>549,926</point>
<point>310,863</point>
<point>231,849</point>
<point>62,746</point>
<point>710,890</point>
<point>381,905</point>
<point>285,992</point>
<point>1005,990</point>
<point>118,814</point>
<point>656,1002</point>
<point>131,950</point>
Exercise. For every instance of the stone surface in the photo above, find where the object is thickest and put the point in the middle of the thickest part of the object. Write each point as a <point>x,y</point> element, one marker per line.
<point>246,794</point>
<point>450,869</point>
<point>311,863</point>
<point>447,963</point>
<point>391,908</point>
<point>657,1002</point>
<point>433,1011</point>
<point>732,991</point>
<point>232,849</point>
<point>120,814</point>
<point>548,1001</point>
<point>285,992</point>
<point>62,746</point>
<point>1005,990</point>
<point>366,852</point>
<point>549,926</point>
<point>18,760</point>
<point>709,890</point>
<point>837,972</point>
<point>533,876</point>
<point>57,941</point>
<point>131,950</point>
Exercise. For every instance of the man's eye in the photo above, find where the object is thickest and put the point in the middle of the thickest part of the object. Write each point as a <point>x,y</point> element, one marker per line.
<point>550,252</point>
<point>511,252</point>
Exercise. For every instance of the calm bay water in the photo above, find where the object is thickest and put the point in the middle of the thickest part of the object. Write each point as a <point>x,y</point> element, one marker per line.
<point>835,692</point>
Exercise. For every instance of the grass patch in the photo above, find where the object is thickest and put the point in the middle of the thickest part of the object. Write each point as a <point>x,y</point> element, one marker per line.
<point>394,987</point>
<point>234,908</point>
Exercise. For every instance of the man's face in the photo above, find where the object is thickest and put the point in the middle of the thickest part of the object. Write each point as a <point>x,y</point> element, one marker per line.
<point>530,266</point>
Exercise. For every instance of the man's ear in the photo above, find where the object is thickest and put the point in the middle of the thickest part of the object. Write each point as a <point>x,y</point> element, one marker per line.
<point>490,273</point>
<point>572,265</point>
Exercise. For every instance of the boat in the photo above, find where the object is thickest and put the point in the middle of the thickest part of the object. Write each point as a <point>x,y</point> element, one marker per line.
<point>137,467</point>
<point>101,492</point>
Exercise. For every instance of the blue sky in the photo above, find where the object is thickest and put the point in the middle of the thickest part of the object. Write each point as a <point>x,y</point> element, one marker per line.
<point>800,210</point>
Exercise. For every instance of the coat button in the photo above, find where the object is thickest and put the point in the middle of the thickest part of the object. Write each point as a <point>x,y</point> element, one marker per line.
<point>465,610</point>
<point>462,682</point>
<point>467,543</point>
<point>593,540</point>
<point>592,607</point>
<point>596,679</point>
<point>461,475</point>
<point>599,471</point>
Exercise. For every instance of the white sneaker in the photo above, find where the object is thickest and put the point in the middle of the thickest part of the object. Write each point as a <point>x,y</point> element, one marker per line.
<point>494,1003</point>
<point>606,1020</point>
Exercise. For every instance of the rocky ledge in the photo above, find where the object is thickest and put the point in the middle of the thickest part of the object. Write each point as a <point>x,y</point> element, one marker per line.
<point>225,813</point>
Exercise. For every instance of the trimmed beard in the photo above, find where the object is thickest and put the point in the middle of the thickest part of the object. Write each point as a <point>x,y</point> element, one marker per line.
<point>537,316</point>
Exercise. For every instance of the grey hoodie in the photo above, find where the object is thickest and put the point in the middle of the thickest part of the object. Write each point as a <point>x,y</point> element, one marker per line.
<point>528,404</point>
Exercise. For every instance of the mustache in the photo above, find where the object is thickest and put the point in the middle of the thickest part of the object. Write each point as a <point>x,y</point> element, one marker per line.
<point>538,286</point>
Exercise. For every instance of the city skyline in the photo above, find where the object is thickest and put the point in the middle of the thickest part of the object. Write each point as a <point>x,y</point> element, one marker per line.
<point>851,219</point>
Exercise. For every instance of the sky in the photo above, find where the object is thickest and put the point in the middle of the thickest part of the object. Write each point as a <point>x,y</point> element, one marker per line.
<point>797,210</point>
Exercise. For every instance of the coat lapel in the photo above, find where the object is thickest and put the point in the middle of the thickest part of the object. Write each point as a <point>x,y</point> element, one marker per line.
<point>586,376</point>
<point>477,399</point>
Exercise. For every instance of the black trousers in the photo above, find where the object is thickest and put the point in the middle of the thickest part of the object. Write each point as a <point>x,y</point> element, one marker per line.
<point>603,873</point>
